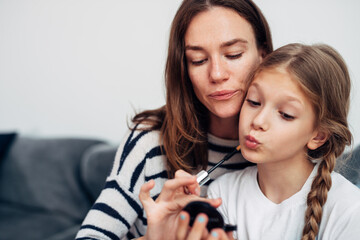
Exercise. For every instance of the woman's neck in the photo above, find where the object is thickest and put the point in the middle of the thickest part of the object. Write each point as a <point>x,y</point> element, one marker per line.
<point>226,128</point>
<point>279,181</point>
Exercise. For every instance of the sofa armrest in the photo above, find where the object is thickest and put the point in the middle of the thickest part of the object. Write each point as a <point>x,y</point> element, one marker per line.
<point>95,166</point>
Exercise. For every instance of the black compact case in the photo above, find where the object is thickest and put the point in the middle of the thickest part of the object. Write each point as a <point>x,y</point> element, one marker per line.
<point>215,218</point>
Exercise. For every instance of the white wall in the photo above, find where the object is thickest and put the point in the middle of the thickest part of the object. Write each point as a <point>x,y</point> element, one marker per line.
<point>81,67</point>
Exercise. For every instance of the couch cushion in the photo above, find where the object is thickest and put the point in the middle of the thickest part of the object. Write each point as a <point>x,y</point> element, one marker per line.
<point>348,165</point>
<point>41,192</point>
<point>5,142</point>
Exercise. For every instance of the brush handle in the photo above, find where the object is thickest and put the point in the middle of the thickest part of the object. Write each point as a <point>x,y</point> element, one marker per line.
<point>227,157</point>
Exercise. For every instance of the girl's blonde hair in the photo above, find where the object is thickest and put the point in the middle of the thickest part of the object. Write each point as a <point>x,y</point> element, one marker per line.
<point>323,76</point>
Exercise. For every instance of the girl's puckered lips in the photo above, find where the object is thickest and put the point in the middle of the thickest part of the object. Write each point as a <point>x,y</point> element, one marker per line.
<point>223,95</point>
<point>251,142</point>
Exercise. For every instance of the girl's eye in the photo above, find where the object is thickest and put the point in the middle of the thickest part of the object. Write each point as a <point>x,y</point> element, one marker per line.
<point>253,103</point>
<point>234,56</point>
<point>286,116</point>
<point>199,62</point>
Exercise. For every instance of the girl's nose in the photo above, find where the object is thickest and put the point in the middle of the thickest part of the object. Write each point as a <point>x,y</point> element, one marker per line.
<point>218,70</point>
<point>261,120</point>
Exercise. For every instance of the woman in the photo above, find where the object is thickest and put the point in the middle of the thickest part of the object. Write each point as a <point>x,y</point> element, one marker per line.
<point>213,47</point>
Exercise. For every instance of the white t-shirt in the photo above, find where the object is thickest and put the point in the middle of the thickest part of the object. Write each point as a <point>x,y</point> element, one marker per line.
<point>257,217</point>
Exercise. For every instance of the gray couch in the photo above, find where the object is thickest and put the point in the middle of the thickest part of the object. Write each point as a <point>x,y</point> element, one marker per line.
<point>48,185</point>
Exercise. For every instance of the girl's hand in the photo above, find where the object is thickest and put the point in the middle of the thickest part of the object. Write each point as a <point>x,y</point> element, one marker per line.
<point>199,230</point>
<point>163,213</point>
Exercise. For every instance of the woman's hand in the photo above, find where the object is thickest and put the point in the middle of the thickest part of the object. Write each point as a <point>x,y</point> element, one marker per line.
<point>163,213</point>
<point>199,230</point>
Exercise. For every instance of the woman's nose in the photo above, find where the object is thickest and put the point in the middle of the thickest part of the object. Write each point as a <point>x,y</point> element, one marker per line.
<point>218,70</point>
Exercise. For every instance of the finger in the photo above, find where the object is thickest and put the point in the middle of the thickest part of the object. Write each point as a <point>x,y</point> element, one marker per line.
<point>182,173</point>
<point>230,235</point>
<point>192,188</point>
<point>183,225</point>
<point>215,202</point>
<point>198,227</point>
<point>144,194</point>
<point>218,234</point>
<point>214,235</point>
<point>185,199</point>
<point>171,186</point>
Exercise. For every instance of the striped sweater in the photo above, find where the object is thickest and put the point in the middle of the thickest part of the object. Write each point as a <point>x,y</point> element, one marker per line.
<point>118,213</point>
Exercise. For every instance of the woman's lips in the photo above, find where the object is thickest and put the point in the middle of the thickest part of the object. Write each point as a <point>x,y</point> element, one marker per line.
<point>251,142</point>
<point>223,95</point>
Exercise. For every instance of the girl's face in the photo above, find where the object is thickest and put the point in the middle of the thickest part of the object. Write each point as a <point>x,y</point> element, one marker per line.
<point>277,120</point>
<point>220,52</point>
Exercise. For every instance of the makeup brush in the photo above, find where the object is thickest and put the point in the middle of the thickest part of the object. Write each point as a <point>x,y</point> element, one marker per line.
<point>203,176</point>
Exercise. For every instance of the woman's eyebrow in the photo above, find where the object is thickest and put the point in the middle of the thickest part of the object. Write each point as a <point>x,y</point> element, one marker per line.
<point>195,48</point>
<point>225,44</point>
<point>233,41</point>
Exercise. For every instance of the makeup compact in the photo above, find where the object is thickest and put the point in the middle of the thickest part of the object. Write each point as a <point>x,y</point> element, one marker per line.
<point>215,218</point>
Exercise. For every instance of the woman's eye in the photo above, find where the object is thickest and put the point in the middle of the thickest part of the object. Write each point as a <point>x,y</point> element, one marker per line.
<point>199,62</point>
<point>234,56</point>
<point>286,116</point>
<point>253,103</point>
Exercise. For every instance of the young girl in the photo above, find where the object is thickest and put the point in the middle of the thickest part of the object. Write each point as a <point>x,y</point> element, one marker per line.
<point>293,125</point>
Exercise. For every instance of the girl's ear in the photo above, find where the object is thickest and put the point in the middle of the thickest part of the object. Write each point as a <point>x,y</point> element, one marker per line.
<point>318,139</point>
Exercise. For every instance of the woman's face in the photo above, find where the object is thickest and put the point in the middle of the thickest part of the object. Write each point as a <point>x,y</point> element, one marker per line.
<point>221,51</point>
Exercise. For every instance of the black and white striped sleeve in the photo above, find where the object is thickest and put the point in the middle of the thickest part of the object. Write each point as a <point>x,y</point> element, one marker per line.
<point>118,213</point>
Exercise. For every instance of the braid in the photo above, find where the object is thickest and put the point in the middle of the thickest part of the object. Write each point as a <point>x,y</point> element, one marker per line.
<point>317,197</point>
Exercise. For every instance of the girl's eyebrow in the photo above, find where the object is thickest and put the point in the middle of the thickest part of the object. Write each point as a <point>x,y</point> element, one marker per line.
<point>225,44</point>
<point>287,97</point>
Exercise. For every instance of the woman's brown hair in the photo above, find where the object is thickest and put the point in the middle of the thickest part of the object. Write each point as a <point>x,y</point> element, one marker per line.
<point>323,76</point>
<point>183,121</point>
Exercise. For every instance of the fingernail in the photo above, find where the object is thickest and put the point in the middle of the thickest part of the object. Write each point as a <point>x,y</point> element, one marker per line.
<point>182,216</point>
<point>214,234</point>
<point>201,219</point>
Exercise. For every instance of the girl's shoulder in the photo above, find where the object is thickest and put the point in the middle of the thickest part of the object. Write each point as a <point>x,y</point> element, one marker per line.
<point>341,212</point>
<point>342,192</point>
<point>232,181</point>
<point>342,185</point>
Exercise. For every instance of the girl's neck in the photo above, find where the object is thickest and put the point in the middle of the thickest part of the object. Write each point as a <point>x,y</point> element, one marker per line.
<point>279,181</point>
<point>226,128</point>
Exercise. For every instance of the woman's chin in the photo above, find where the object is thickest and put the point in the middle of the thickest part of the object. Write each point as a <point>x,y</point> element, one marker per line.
<point>226,114</point>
